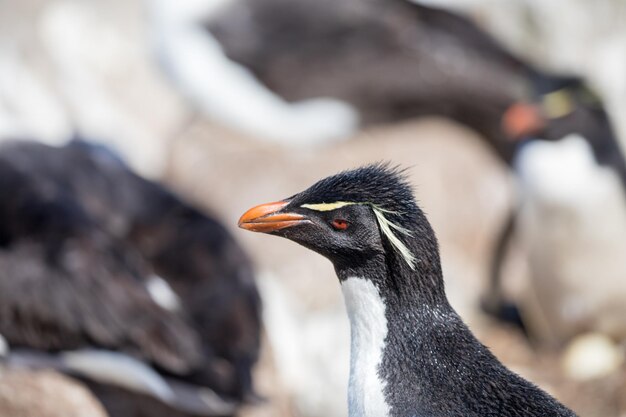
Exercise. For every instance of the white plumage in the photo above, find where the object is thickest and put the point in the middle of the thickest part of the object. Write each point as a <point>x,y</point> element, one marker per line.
<point>162,294</point>
<point>368,330</point>
<point>118,369</point>
<point>573,224</point>
<point>4,346</point>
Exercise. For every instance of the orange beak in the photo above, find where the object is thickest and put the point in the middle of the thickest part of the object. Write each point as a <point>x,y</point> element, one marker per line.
<point>265,219</point>
<point>521,120</point>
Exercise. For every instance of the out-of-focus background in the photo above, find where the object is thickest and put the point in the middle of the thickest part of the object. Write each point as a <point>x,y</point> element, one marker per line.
<point>510,115</point>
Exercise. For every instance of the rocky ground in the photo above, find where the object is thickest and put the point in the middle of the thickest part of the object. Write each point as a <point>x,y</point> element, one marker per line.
<point>45,394</point>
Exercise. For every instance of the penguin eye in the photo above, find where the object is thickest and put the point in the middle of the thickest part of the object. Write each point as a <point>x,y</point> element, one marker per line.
<point>339,224</point>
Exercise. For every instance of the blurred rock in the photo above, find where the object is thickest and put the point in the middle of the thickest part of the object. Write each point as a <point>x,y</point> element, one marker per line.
<point>68,65</point>
<point>599,397</point>
<point>275,401</point>
<point>45,394</point>
<point>591,356</point>
<point>312,349</point>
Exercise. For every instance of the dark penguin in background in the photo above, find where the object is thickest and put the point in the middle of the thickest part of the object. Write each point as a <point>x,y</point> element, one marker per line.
<point>387,60</point>
<point>101,270</point>
<point>553,171</point>
<point>412,355</point>
<point>561,107</point>
<point>390,60</point>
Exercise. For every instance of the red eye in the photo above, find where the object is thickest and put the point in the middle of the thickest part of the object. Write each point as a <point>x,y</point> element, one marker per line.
<point>340,224</point>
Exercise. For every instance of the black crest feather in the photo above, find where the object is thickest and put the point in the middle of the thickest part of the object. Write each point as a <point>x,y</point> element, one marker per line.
<point>379,184</point>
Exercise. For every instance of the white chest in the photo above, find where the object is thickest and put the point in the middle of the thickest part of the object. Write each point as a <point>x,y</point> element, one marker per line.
<point>573,223</point>
<point>368,328</point>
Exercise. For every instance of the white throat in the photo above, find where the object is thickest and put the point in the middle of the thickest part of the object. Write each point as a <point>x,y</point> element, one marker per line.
<point>368,328</point>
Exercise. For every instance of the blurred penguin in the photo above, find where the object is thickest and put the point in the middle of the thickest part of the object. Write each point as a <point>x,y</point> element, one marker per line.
<point>111,277</point>
<point>572,216</point>
<point>279,61</point>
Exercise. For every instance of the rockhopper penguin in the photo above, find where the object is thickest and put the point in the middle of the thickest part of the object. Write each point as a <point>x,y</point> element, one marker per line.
<point>412,355</point>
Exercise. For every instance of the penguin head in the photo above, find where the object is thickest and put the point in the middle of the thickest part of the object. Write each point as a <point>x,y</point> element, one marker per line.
<point>350,218</point>
<point>560,106</point>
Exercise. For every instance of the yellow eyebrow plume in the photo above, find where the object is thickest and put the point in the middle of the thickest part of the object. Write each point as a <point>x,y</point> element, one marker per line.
<point>558,104</point>
<point>387,228</point>
<point>327,206</point>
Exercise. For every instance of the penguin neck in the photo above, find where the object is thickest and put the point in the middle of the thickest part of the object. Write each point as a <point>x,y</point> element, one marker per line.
<point>380,292</point>
<point>378,295</point>
<point>408,288</point>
